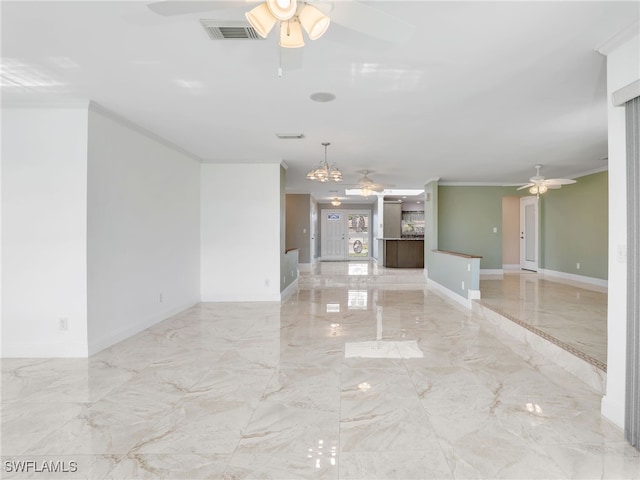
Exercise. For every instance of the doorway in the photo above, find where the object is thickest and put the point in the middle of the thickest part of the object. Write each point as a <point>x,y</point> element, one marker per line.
<point>529,221</point>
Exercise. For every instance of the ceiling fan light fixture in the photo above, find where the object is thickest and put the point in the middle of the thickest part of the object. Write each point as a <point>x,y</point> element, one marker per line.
<point>282,9</point>
<point>538,189</point>
<point>291,34</point>
<point>315,22</point>
<point>261,19</point>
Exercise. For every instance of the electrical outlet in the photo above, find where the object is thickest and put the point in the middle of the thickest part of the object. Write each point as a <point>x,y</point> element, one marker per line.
<point>161,298</point>
<point>63,324</point>
<point>463,285</point>
<point>578,265</point>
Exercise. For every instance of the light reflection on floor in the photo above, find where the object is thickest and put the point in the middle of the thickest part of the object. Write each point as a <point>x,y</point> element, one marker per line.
<point>264,390</point>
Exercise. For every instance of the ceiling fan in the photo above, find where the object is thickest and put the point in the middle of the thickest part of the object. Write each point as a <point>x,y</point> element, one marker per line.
<point>313,15</point>
<point>367,186</point>
<point>538,184</point>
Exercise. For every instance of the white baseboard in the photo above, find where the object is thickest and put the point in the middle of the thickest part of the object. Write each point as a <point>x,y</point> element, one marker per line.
<point>576,278</point>
<point>293,286</point>
<point>119,335</point>
<point>491,271</point>
<point>473,294</point>
<point>515,266</point>
<point>45,350</point>
<point>613,411</point>
<point>449,293</point>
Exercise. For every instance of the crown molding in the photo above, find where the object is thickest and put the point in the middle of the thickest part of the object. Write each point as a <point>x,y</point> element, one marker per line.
<point>627,33</point>
<point>61,103</point>
<point>99,109</point>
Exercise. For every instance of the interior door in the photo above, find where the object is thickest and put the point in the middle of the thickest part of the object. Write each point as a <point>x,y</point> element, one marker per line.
<point>334,244</point>
<point>529,248</point>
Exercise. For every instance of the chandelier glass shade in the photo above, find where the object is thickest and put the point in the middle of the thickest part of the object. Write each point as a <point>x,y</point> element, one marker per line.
<point>324,173</point>
<point>336,202</point>
<point>264,17</point>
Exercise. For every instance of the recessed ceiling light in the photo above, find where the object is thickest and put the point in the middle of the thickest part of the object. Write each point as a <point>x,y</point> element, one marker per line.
<point>322,97</point>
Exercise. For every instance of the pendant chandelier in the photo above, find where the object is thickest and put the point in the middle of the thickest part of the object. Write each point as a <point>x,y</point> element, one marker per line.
<point>336,202</point>
<point>264,17</point>
<point>324,173</point>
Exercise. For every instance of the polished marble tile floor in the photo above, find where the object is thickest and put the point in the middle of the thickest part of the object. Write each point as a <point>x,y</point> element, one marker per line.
<point>574,313</point>
<point>264,391</point>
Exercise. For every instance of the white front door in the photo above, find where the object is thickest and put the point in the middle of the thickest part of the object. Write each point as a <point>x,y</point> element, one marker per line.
<point>529,233</point>
<point>334,229</point>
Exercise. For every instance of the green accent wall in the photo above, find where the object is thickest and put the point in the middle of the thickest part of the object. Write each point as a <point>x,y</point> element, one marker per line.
<point>574,227</point>
<point>466,218</point>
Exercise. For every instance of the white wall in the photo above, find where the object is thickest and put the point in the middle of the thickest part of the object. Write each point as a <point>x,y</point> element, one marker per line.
<point>623,67</point>
<point>44,225</point>
<point>143,230</point>
<point>240,240</point>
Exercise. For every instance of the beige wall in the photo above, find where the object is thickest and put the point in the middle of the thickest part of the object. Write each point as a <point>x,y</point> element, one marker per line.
<point>510,230</point>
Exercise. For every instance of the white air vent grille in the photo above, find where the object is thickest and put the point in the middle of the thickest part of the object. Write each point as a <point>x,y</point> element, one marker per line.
<point>230,30</point>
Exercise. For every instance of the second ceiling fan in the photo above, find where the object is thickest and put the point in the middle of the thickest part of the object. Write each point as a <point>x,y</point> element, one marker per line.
<point>538,184</point>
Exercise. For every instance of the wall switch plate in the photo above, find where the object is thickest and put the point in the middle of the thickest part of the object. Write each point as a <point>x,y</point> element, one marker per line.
<point>63,324</point>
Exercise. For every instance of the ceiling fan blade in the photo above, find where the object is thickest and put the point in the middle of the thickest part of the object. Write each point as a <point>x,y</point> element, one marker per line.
<point>528,185</point>
<point>369,21</point>
<point>168,8</point>
<point>559,181</point>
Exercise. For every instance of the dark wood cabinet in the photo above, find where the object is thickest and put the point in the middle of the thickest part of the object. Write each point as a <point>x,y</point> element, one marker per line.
<point>404,253</point>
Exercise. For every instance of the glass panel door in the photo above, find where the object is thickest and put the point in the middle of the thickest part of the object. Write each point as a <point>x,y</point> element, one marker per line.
<point>358,235</point>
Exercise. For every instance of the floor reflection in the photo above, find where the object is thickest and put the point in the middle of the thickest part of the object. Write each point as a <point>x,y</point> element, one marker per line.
<point>241,390</point>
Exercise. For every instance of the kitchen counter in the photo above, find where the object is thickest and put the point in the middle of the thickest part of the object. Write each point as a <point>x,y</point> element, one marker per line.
<point>403,252</point>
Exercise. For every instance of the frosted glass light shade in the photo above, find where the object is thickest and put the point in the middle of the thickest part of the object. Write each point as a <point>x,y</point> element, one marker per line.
<point>282,9</point>
<point>261,19</point>
<point>315,22</point>
<point>291,35</point>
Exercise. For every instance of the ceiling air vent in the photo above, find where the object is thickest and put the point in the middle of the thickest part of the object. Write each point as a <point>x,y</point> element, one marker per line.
<point>290,136</point>
<point>218,30</point>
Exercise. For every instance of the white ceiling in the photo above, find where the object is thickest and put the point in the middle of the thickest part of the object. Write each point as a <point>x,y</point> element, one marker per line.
<point>480,93</point>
